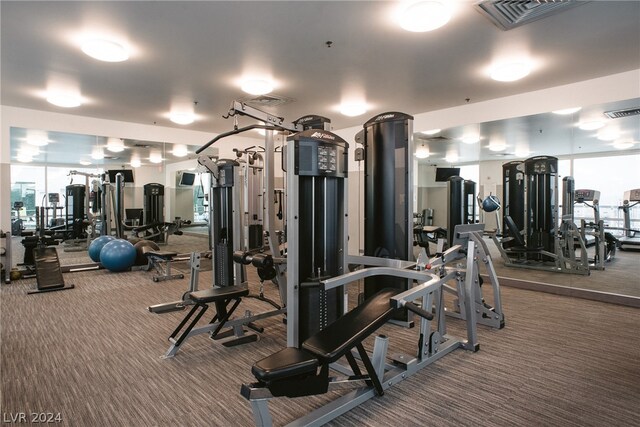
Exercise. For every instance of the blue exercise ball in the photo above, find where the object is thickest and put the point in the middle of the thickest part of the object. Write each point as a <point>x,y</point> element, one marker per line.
<point>118,255</point>
<point>490,203</point>
<point>96,246</point>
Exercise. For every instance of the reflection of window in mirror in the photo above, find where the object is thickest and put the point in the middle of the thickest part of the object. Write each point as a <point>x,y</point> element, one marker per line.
<point>612,176</point>
<point>200,197</point>
<point>27,186</point>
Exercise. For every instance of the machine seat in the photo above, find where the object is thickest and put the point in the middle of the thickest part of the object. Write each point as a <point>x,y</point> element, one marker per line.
<point>219,294</point>
<point>288,362</point>
<point>331,343</point>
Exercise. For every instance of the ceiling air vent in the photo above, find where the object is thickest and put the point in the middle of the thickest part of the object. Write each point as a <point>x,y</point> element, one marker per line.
<point>508,14</point>
<point>625,112</point>
<point>267,100</point>
<point>427,138</point>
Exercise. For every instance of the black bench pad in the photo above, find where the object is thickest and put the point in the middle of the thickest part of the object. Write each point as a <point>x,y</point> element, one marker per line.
<point>165,255</point>
<point>287,362</point>
<point>331,343</point>
<point>219,294</point>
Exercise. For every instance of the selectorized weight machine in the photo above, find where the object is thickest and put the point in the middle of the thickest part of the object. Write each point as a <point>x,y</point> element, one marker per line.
<point>533,237</point>
<point>604,243</point>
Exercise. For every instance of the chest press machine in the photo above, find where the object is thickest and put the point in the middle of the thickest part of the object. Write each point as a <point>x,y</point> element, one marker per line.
<point>317,338</point>
<point>304,370</point>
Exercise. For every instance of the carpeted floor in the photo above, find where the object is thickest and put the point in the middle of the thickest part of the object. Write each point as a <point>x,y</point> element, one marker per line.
<point>92,355</point>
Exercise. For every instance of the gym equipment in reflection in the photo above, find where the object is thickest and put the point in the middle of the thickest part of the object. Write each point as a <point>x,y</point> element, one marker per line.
<point>545,242</point>
<point>631,237</point>
<point>153,226</point>
<point>489,204</point>
<point>593,232</point>
<point>17,223</point>
<point>252,170</point>
<point>461,209</point>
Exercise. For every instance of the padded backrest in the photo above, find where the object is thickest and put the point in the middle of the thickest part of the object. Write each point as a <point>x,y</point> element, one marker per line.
<point>341,336</point>
<point>513,230</point>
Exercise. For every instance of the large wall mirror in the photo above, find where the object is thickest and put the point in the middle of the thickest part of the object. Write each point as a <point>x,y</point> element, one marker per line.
<point>599,146</point>
<point>45,163</point>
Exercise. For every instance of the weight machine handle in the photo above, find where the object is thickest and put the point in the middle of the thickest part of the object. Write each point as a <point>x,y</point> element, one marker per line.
<point>417,310</point>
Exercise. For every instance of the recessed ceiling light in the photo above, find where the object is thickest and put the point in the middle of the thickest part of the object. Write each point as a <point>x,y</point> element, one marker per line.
<point>567,111</point>
<point>608,134</point>
<point>256,87</point>
<point>497,147</point>
<point>105,50</point>
<point>522,152</point>
<point>353,109</point>
<point>623,145</point>
<point>422,152</point>
<point>510,71</point>
<point>30,150</point>
<point>155,157</point>
<point>593,125</point>
<point>182,118</point>
<point>24,158</point>
<point>65,100</point>
<point>470,138</point>
<point>37,138</point>
<point>84,162</point>
<point>422,16</point>
<point>431,131</point>
<point>451,158</point>
<point>135,163</point>
<point>97,154</point>
<point>180,150</point>
<point>115,145</point>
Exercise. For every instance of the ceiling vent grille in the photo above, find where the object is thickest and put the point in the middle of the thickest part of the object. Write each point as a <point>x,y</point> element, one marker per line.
<point>508,14</point>
<point>426,138</point>
<point>267,100</point>
<point>625,112</point>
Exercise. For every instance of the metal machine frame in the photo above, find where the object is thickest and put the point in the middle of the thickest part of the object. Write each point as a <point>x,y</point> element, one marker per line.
<point>433,341</point>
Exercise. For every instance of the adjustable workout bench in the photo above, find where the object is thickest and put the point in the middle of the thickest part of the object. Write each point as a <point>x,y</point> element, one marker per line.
<point>161,262</point>
<point>294,372</point>
<point>221,297</point>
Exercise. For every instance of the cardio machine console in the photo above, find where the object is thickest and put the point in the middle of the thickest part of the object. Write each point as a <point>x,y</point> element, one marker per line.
<point>584,195</point>
<point>632,195</point>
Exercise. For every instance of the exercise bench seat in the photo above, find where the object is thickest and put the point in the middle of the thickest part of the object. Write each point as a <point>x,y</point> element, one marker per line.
<point>341,336</point>
<point>221,297</point>
<point>292,372</point>
<point>156,258</point>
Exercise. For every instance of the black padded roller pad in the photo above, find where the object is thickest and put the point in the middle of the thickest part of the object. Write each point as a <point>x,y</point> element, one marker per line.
<point>165,255</point>
<point>219,294</point>
<point>286,363</point>
<point>335,340</point>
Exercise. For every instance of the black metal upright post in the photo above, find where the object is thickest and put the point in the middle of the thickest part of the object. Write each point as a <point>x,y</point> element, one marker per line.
<point>388,194</point>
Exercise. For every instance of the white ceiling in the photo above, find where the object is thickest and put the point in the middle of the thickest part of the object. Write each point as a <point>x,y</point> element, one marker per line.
<point>196,51</point>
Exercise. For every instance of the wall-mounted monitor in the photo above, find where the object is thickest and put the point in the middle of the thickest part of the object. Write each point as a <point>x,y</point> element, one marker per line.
<point>127,173</point>
<point>185,179</point>
<point>443,174</point>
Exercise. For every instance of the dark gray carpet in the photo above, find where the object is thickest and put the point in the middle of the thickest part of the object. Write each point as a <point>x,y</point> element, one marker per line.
<point>92,354</point>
